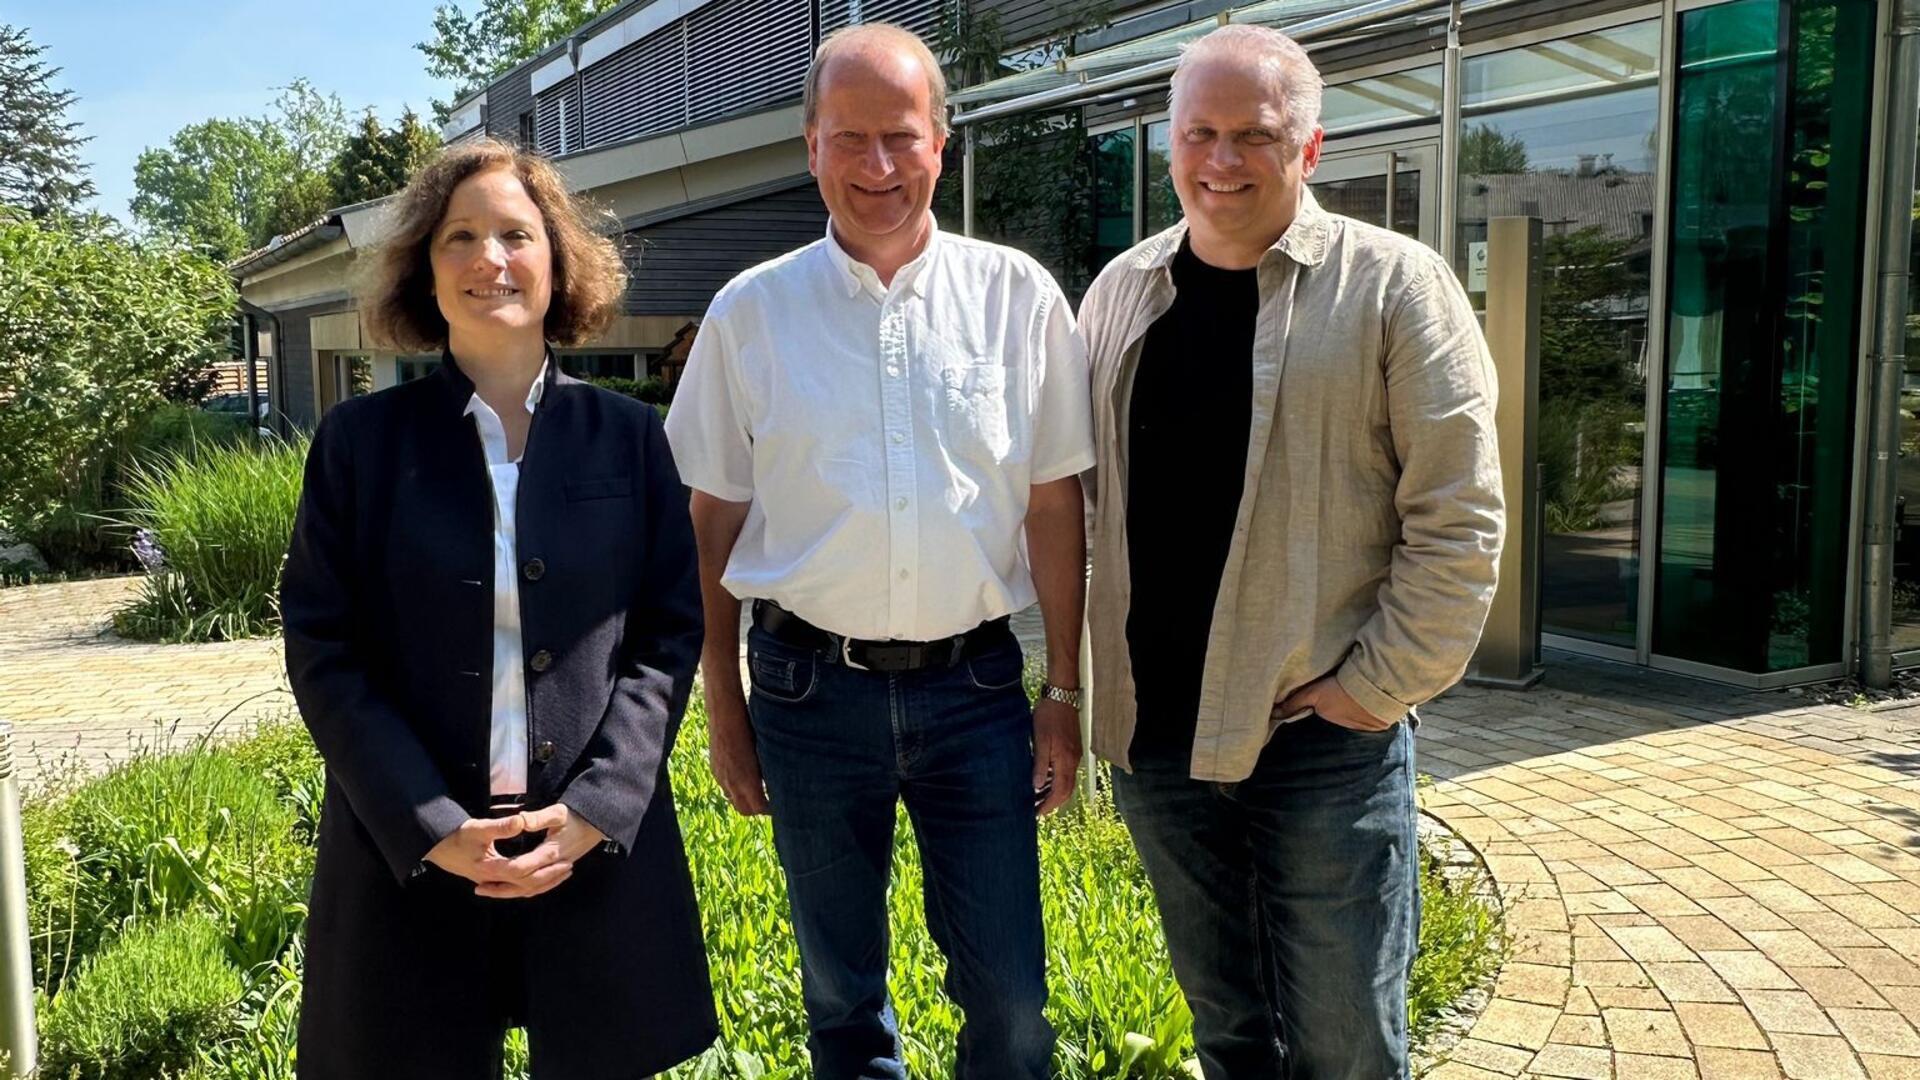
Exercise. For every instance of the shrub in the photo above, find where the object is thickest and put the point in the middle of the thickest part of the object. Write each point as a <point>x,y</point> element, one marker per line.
<point>145,1006</point>
<point>282,753</point>
<point>194,829</point>
<point>95,328</point>
<point>222,518</point>
<point>651,390</point>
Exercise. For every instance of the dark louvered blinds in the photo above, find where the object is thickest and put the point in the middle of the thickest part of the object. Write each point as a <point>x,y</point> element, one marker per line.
<point>743,54</point>
<point>640,90</point>
<point>920,16</point>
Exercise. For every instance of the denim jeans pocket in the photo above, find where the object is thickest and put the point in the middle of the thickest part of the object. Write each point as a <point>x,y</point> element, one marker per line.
<point>996,670</point>
<point>780,672</point>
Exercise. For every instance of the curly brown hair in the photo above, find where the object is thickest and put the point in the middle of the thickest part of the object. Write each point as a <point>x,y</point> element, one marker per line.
<point>396,289</point>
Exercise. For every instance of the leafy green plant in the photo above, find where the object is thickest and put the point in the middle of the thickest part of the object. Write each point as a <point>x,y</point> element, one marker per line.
<point>95,327</point>
<point>183,830</point>
<point>221,519</point>
<point>145,1006</point>
<point>1461,945</point>
<point>225,834</point>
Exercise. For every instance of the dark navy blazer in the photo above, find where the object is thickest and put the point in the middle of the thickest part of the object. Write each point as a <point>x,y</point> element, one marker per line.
<point>387,601</point>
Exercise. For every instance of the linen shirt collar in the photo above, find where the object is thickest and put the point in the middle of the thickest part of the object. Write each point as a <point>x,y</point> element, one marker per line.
<point>855,276</point>
<point>1306,241</point>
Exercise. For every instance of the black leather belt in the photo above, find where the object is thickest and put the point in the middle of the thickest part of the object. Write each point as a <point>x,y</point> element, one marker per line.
<point>887,656</point>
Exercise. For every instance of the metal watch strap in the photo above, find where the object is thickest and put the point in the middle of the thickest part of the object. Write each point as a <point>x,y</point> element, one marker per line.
<point>1066,697</point>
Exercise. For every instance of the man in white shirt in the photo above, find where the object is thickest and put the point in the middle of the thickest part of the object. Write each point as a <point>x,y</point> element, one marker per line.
<point>884,431</point>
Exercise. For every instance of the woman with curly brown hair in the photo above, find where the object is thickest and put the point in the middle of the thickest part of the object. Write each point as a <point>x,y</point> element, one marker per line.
<point>492,619</point>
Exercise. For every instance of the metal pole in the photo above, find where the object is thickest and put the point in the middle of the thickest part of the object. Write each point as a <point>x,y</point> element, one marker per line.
<point>1448,189</point>
<point>1509,650</point>
<point>250,349</point>
<point>1890,346</point>
<point>19,1050</point>
<point>966,182</point>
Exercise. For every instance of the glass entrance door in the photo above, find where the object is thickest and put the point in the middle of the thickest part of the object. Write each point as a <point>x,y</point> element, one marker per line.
<point>1389,186</point>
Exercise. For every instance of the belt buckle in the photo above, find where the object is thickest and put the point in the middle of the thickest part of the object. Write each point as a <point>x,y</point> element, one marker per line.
<point>846,655</point>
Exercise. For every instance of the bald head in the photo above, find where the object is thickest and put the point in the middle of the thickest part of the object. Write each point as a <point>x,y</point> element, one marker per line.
<point>881,48</point>
<point>1292,80</point>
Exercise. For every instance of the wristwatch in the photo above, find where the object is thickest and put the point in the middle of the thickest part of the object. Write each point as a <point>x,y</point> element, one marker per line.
<point>1066,697</point>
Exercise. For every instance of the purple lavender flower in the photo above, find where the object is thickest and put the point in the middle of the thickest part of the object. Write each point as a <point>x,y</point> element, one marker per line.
<point>146,548</point>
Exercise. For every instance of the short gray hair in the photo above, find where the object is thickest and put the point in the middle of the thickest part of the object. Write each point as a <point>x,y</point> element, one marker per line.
<point>852,38</point>
<point>1284,61</point>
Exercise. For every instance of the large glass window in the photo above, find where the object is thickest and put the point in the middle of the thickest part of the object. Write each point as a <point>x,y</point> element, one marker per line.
<point>1768,210</point>
<point>1163,206</point>
<point>1402,97</point>
<point>1113,178</point>
<point>1906,509</point>
<point>1566,131</point>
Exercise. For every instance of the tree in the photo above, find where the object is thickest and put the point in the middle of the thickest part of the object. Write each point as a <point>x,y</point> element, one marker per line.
<point>378,161</point>
<point>1485,152</point>
<point>228,186</point>
<point>472,49</point>
<point>40,166</point>
<point>95,329</point>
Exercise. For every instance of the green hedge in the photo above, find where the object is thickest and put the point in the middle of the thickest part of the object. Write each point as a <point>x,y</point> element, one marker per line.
<point>225,835</point>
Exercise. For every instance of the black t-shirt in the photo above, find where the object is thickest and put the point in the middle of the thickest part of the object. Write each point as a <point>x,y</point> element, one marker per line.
<point>1191,410</point>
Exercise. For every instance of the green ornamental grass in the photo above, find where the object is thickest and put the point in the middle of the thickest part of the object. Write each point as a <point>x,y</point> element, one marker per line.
<point>221,518</point>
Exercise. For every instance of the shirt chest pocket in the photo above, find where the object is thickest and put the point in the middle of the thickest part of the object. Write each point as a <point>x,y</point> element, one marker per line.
<point>974,393</point>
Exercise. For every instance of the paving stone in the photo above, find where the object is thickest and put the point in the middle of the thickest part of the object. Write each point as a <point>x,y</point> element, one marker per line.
<point>1791,948</point>
<point>1793,1012</point>
<point>1749,970</point>
<point>1721,1064</point>
<point>1646,1031</point>
<point>1729,1026</point>
<point>1837,988</point>
<point>1579,1031</point>
<point>1577,1062</point>
<point>1816,1057</point>
<point>1690,981</point>
<point>1495,1057</point>
<point>1647,1067</point>
<point>1877,1031</point>
<point>1882,1067</point>
<point>1516,1023</point>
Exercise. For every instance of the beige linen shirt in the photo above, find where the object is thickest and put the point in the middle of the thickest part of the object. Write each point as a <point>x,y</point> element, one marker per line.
<point>1371,516</point>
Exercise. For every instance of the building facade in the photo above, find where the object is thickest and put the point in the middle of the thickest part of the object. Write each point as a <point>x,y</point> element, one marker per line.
<point>1711,179</point>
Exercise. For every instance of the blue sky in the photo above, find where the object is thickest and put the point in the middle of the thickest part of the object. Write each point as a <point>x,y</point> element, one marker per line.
<point>145,70</point>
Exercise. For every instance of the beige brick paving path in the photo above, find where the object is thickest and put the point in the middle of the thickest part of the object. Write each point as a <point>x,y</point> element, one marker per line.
<point>79,697</point>
<point>1700,882</point>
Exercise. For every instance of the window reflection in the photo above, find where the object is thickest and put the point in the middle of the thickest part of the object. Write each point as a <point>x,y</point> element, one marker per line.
<point>1582,160</point>
<point>1163,206</point>
<point>1402,97</point>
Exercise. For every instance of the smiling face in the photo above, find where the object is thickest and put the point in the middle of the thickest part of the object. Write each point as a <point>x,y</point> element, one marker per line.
<point>874,149</point>
<point>492,260</point>
<point>1238,180</point>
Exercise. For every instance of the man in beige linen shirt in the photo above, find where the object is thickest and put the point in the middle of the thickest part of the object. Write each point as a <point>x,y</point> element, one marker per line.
<point>1295,540</point>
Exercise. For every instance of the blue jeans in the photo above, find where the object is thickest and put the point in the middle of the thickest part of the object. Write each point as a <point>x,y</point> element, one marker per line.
<point>1291,900</point>
<point>838,748</point>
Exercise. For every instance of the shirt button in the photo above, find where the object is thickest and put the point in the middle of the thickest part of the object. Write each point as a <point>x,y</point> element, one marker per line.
<point>540,661</point>
<point>533,569</point>
<point>900,503</point>
<point>543,753</point>
<point>899,437</point>
<point>904,575</point>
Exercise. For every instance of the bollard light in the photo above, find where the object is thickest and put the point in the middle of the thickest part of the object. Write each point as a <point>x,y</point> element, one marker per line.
<point>19,1046</point>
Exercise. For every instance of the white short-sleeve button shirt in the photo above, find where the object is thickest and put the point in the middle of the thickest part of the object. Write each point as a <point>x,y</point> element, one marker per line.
<point>885,437</point>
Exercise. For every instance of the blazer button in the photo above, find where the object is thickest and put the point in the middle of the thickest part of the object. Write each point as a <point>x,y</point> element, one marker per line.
<point>533,569</point>
<point>540,661</point>
<point>543,753</point>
